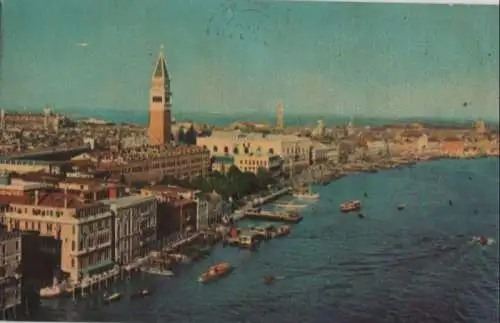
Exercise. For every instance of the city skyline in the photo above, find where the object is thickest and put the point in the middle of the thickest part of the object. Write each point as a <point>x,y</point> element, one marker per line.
<point>376,60</point>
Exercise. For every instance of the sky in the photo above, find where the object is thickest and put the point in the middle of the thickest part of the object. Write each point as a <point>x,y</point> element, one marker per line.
<point>374,60</point>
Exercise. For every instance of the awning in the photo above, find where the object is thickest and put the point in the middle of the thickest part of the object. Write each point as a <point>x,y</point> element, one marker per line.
<point>99,267</point>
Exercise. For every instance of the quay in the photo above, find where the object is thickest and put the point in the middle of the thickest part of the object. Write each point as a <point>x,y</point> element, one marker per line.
<point>271,197</point>
<point>273,216</point>
<point>96,282</point>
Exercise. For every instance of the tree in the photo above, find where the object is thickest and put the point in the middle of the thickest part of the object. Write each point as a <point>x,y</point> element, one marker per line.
<point>190,136</point>
<point>181,135</point>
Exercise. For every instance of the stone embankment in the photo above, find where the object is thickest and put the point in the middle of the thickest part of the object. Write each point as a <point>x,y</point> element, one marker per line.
<point>325,173</point>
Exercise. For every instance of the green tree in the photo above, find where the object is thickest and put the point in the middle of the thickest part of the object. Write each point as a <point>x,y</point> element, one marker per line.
<point>190,136</point>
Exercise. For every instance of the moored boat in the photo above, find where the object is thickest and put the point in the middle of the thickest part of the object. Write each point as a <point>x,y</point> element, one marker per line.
<point>215,272</point>
<point>350,206</point>
<point>158,271</point>
<point>108,298</point>
<point>55,290</point>
<point>401,206</point>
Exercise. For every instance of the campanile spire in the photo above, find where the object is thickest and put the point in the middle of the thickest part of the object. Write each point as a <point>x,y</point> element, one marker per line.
<point>160,103</point>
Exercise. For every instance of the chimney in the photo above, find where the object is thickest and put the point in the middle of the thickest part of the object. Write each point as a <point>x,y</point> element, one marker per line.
<point>36,197</point>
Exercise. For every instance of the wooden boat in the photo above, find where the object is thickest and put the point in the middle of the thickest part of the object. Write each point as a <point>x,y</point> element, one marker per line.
<point>112,297</point>
<point>215,272</point>
<point>350,206</point>
<point>140,294</point>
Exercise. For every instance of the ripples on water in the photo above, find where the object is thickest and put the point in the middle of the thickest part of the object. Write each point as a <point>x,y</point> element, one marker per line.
<point>415,265</point>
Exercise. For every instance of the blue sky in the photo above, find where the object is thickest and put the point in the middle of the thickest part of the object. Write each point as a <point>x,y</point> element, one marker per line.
<point>376,60</point>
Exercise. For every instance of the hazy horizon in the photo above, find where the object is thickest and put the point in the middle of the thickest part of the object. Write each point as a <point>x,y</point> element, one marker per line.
<point>332,59</point>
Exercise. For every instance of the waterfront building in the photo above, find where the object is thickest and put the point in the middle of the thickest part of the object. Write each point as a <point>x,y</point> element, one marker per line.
<point>82,228</point>
<point>10,261</point>
<point>322,153</point>
<point>248,163</point>
<point>453,148</point>
<point>160,104</point>
<point>134,227</point>
<point>292,149</point>
<point>177,209</point>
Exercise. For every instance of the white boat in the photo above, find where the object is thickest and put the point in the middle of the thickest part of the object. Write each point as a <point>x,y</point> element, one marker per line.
<point>55,290</point>
<point>111,298</point>
<point>157,271</point>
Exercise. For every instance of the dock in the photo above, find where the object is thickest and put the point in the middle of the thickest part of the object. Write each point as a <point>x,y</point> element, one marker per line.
<point>273,216</point>
<point>271,197</point>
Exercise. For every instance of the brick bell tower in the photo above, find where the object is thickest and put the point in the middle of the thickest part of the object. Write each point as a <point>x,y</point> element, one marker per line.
<point>160,103</point>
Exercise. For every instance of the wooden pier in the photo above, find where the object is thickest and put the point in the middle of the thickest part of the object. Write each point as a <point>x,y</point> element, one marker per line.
<point>273,216</point>
<point>95,283</point>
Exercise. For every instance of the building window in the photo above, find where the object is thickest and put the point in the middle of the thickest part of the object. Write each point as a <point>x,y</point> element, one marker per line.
<point>157,99</point>
<point>73,245</point>
<point>215,149</point>
<point>271,150</point>
<point>236,151</point>
<point>72,262</point>
<point>17,245</point>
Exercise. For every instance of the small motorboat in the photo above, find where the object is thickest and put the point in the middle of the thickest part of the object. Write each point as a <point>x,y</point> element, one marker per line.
<point>109,298</point>
<point>401,207</point>
<point>366,194</point>
<point>140,294</point>
<point>215,272</point>
<point>268,279</point>
<point>361,215</point>
<point>350,206</point>
<point>450,202</point>
<point>483,241</point>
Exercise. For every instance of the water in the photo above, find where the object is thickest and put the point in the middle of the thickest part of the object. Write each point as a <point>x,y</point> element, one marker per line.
<point>415,265</point>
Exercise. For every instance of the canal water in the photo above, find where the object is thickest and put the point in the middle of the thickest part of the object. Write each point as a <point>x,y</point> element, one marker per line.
<point>414,265</point>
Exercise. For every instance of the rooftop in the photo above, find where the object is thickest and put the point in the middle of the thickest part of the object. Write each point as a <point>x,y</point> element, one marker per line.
<point>230,135</point>
<point>126,201</point>
<point>21,185</point>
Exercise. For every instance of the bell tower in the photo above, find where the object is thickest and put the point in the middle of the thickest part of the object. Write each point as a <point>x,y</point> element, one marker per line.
<point>160,103</point>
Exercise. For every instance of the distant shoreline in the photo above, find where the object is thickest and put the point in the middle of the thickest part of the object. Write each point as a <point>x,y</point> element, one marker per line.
<point>139,117</point>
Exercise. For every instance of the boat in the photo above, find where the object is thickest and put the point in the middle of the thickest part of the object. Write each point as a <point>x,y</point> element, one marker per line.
<point>306,195</point>
<point>140,294</point>
<point>215,272</point>
<point>268,279</point>
<point>283,231</point>
<point>350,206</point>
<point>108,298</point>
<point>401,206</point>
<point>55,290</point>
<point>158,271</point>
<point>361,215</point>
